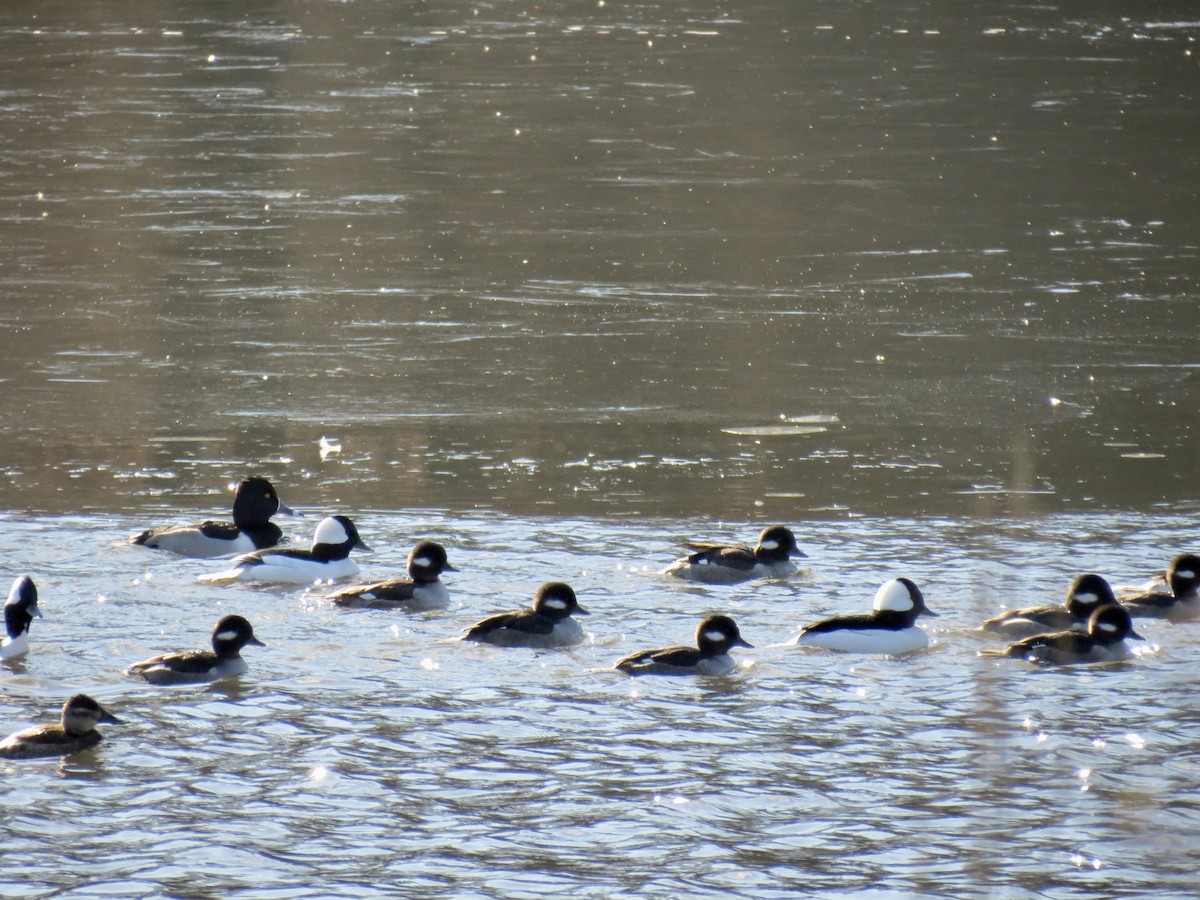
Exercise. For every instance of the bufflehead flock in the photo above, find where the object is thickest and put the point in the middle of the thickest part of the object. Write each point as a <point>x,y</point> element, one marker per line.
<point>1090,626</point>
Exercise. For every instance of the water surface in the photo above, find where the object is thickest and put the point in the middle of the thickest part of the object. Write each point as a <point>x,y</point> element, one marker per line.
<point>570,283</point>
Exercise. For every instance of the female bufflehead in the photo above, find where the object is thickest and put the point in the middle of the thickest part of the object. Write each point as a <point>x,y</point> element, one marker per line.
<point>1104,641</point>
<point>889,628</point>
<point>1086,594</point>
<point>230,635</point>
<point>327,560</point>
<point>419,592</point>
<point>719,564</point>
<point>76,731</point>
<point>714,637</point>
<point>254,502</point>
<point>19,612</point>
<point>1183,600</point>
<point>548,624</point>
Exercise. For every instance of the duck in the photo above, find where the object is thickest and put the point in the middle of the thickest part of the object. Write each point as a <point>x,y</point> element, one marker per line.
<point>327,560</point>
<point>255,501</point>
<point>715,636</point>
<point>421,591</point>
<point>1181,602</point>
<point>547,624</point>
<point>1086,594</point>
<point>229,636</point>
<point>890,628</point>
<point>20,610</point>
<point>1104,641</point>
<point>76,731</point>
<point>771,557</point>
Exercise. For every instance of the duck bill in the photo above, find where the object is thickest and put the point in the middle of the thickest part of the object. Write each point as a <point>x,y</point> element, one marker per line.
<point>742,642</point>
<point>1133,634</point>
<point>449,568</point>
<point>361,545</point>
<point>255,641</point>
<point>580,611</point>
<point>110,719</point>
<point>285,510</point>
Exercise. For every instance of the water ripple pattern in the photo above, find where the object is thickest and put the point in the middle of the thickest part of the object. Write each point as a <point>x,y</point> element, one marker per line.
<point>367,752</point>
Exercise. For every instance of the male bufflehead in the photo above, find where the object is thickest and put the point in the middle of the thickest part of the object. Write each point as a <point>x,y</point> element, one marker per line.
<point>76,731</point>
<point>1183,600</point>
<point>719,564</point>
<point>1086,594</point>
<point>715,636</point>
<point>419,592</point>
<point>19,612</point>
<point>229,636</point>
<point>889,628</point>
<point>254,502</point>
<point>547,624</point>
<point>1104,641</point>
<point>327,560</point>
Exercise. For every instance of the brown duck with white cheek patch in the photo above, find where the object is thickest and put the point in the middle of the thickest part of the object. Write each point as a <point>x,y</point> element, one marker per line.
<point>1104,641</point>
<point>548,624</point>
<point>1183,600</point>
<point>230,635</point>
<point>715,637</point>
<point>1086,594</point>
<point>420,592</point>
<point>771,557</point>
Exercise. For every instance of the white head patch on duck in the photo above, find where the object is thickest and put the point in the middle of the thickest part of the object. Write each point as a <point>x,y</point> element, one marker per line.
<point>893,595</point>
<point>330,531</point>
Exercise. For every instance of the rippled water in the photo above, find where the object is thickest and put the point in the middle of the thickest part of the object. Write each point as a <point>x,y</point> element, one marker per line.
<point>570,283</point>
<point>520,257</point>
<point>366,753</point>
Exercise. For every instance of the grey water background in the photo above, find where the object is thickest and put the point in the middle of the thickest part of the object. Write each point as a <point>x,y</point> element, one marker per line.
<point>571,282</point>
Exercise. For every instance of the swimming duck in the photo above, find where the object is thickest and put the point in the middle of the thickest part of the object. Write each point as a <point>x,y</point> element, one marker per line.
<point>720,564</point>
<point>1104,641</point>
<point>715,636</point>
<point>254,503</point>
<point>1086,594</point>
<point>890,628</point>
<point>19,612</point>
<point>327,560</point>
<point>547,624</point>
<point>420,592</point>
<point>229,636</point>
<point>1181,602</point>
<point>76,731</point>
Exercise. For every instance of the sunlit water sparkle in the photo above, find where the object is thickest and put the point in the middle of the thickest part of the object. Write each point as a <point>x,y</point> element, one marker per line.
<point>367,750</point>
